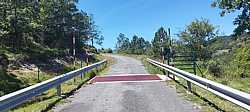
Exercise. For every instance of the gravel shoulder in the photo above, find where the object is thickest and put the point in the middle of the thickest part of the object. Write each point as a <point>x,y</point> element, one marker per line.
<point>126,96</point>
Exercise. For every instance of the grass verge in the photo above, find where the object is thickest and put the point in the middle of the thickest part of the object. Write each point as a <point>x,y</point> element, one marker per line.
<point>48,99</point>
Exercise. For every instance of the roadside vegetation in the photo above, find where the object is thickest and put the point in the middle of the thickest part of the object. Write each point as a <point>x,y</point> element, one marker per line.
<point>36,40</point>
<point>103,50</point>
<point>47,100</point>
<point>36,44</point>
<point>221,58</point>
<point>208,101</point>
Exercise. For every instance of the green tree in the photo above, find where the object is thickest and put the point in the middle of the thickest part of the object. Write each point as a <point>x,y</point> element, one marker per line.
<point>242,58</point>
<point>138,45</point>
<point>108,50</point>
<point>197,35</point>
<point>243,19</point>
<point>122,44</point>
<point>48,23</point>
<point>15,22</point>
<point>157,43</point>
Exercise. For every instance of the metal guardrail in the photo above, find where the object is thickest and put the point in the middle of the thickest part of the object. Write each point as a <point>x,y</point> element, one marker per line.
<point>14,99</point>
<point>235,96</point>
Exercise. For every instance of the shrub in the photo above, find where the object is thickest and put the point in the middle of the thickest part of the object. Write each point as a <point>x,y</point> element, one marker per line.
<point>214,68</point>
<point>242,59</point>
<point>4,62</point>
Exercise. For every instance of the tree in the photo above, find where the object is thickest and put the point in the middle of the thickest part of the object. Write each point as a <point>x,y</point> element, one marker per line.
<point>122,44</point>
<point>108,50</point>
<point>243,19</point>
<point>242,58</point>
<point>47,23</point>
<point>197,35</point>
<point>93,32</point>
<point>138,45</point>
<point>15,22</point>
<point>157,43</point>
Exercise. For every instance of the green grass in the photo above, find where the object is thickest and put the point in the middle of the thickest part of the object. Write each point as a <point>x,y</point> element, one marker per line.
<point>44,101</point>
<point>49,98</point>
<point>208,101</point>
<point>110,61</point>
<point>18,77</point>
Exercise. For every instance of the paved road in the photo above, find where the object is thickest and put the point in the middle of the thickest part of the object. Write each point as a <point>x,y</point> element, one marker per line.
<point>127,96</point>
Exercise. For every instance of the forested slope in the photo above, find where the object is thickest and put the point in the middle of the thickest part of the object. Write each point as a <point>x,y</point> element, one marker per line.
<point>38,36</point>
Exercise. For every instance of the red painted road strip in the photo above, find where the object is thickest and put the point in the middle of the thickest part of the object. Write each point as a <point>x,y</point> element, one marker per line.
<point>125,78</point>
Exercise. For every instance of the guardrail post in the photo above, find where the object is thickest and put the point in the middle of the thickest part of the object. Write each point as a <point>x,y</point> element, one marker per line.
<point>105,64</point>
<point>59,90</point>
<point>189,86</point>
<point>97,69</point>
<point>87,61</point>
<point>168,64</point>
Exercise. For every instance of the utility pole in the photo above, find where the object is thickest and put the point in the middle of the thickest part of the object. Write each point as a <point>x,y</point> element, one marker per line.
<point>170,51</point>
<point>74,46</point>
<point>170,39</point>
<point>170,46</point>
<point>162,48</point>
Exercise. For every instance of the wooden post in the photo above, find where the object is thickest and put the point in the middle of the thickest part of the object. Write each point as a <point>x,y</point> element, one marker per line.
<point>189,86</point>
<point>38,74</point>
<point>59,90</point>
<point>168,63</point>
<point>194,63</point>
<point>74,48</point>
<point>81,67</point>
<point>170,50</point>
<point>162,53</point>
<point>97,69</point>
<point>163,57</point>
<point>105,64</point>
<point>87,61</point>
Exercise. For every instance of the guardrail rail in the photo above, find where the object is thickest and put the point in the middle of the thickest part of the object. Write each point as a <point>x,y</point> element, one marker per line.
<point>14,99</point>
<point>235,96</point>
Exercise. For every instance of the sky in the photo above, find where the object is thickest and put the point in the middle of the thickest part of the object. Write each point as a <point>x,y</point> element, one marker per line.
<point>144,17</point>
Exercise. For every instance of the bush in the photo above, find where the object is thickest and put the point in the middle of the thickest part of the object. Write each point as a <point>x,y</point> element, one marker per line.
<point>108,50</point>
<point>214,68</point>
<point>242,59</point>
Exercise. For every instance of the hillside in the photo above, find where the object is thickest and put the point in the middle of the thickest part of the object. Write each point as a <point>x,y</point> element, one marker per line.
<point>29,66</point>
<point>230,62</point>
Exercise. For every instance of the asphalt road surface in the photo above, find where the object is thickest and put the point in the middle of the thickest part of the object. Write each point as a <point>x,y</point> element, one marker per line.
<point>127,96</point>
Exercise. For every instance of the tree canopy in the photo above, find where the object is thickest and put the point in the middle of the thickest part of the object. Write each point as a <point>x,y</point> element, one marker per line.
<point>137,45</point>
<point>242,58</point>
<point>122,44</point>
<point>197,35</point>
<point>50,23</point>
<point>243,19</point>
<point>157,43</point>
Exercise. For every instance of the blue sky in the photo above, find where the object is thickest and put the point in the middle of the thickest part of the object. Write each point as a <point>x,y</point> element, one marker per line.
<point>144,17</point>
